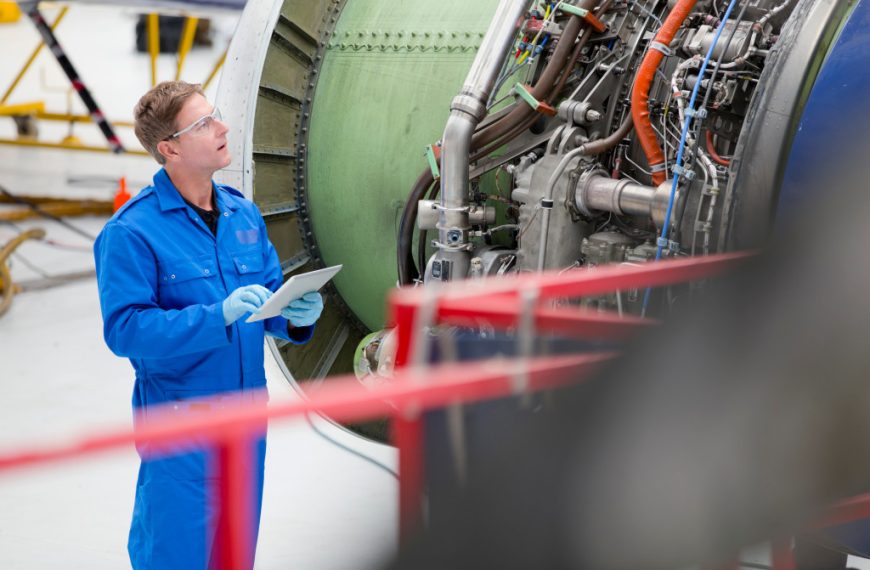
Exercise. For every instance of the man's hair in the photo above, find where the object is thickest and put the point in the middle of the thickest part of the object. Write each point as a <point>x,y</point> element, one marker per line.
<point>156,111</point>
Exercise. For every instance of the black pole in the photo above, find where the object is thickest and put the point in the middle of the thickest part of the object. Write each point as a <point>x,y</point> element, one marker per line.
<point>65,63</point>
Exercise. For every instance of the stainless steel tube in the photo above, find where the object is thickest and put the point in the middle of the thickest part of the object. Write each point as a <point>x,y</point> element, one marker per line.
<point>598,192</point>
<point>466,112</point>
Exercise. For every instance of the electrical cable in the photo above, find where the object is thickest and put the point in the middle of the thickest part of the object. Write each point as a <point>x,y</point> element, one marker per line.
<point>677,227</point>
<point>41,212</point>
<point>350,450</point>
<point>679,160</point>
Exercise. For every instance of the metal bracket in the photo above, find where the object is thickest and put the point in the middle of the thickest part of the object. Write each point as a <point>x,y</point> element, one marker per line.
<point>696,113</point>
<point>538,106</point>
<point>686,173</point>
<point>660,47</point>
<point>433,156</point>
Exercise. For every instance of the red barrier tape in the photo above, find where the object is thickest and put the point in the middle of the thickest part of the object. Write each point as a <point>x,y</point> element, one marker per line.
<point>496,301</point>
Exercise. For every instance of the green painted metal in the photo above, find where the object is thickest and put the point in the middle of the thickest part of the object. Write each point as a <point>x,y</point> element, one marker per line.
<point>433,161</point>
<point>526,96</point>
<point>389,73</point>
<point>577,11</point>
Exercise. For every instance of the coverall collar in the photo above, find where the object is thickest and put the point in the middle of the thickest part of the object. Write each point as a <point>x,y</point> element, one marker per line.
<point>170,198</point>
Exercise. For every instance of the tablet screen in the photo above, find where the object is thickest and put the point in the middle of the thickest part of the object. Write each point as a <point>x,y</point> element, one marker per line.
<point>292,289</point>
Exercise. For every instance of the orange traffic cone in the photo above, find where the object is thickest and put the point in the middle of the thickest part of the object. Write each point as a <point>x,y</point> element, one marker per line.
<point>121,196</point>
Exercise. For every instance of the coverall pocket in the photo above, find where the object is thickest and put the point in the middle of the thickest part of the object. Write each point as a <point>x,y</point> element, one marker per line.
<point>249,266</point>
<point>185,282</point>
<point>173,272</point>
<point>191,460</point>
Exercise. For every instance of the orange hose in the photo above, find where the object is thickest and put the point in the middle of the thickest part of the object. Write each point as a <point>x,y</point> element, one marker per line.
<point>711,150</point>
<point>640,94</point>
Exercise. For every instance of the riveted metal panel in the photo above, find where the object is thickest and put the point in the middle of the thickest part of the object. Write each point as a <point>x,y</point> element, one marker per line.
<point>349,94</point>
<point>383,93</point>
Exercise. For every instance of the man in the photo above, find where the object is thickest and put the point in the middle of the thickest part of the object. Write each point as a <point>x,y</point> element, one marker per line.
<point>177,268</point>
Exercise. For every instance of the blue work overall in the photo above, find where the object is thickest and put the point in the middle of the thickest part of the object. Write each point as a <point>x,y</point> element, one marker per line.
<point>162,278</point>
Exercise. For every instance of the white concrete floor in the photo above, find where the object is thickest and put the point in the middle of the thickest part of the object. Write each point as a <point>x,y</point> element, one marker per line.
<point>324,508</point>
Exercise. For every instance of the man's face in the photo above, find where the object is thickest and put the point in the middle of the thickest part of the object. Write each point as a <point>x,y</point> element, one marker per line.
<point>203,148</point>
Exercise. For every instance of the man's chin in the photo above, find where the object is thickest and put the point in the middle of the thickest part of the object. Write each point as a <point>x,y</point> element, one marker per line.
<point>226,162</point>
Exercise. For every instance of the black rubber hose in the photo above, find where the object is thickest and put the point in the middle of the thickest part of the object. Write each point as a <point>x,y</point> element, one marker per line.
<point>407,270</point>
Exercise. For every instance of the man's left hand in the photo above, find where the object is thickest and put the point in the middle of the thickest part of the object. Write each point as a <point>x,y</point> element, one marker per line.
<point>305,310</point>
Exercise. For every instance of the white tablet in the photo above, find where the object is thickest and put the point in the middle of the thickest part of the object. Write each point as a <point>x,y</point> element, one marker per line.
<point>292,289</point>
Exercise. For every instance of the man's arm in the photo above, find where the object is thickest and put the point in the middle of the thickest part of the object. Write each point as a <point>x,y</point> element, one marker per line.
<point>134,326</point>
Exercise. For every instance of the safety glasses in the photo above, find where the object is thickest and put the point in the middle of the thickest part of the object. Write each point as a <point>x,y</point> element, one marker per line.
<point>201,126</point>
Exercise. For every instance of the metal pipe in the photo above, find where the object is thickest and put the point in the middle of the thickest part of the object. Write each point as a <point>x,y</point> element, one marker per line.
<point>187,36</point>
<point>588,149</point>
<point>596,191</point>
<point>32,58</point>
<point>466,112</point>
<point>153,44</point>
<point>215,69</point>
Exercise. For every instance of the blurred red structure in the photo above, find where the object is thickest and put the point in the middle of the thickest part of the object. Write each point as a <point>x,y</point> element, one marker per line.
<point>518,302</point>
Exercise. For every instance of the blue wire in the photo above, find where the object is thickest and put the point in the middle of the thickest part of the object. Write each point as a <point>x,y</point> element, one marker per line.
<point>689,116</point>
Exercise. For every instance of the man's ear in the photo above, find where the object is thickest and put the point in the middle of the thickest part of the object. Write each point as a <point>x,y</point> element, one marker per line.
<point>168,150</point>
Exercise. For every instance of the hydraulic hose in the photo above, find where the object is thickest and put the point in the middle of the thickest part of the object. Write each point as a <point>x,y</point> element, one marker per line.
<point>7,287</point>
<point>645,75</point>
<point>404,257</point>
<point>542,88</point>
<point>711,149</point>
<point>496,131</point>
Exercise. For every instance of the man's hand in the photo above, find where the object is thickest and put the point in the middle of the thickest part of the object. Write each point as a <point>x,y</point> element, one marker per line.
<point>305,310</point>
<point>244,300</point>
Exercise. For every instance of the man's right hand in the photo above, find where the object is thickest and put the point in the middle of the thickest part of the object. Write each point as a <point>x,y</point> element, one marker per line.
<point>244,300</point>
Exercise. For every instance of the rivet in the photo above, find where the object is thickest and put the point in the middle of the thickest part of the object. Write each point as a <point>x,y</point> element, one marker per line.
<point>172,276</point>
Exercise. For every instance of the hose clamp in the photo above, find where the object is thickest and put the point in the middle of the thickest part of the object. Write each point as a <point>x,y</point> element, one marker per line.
<point>699,114</point>
<point>660,47</point>
<point>660,167</point>
<point>448,247</point>
<point>441,208</point>
<point>686,173</point>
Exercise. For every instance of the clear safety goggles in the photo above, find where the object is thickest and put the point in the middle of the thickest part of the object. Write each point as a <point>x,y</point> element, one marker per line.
<point>201,126</point>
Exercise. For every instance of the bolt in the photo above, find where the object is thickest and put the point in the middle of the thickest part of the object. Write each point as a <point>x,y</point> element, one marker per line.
<point>593,116</point>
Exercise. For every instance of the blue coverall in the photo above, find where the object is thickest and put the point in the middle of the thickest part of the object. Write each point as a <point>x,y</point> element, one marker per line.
<point>162,278</point>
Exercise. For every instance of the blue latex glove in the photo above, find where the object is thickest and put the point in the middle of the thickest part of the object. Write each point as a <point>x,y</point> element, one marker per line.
<point>244,300</point>
<point>305,310</point>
